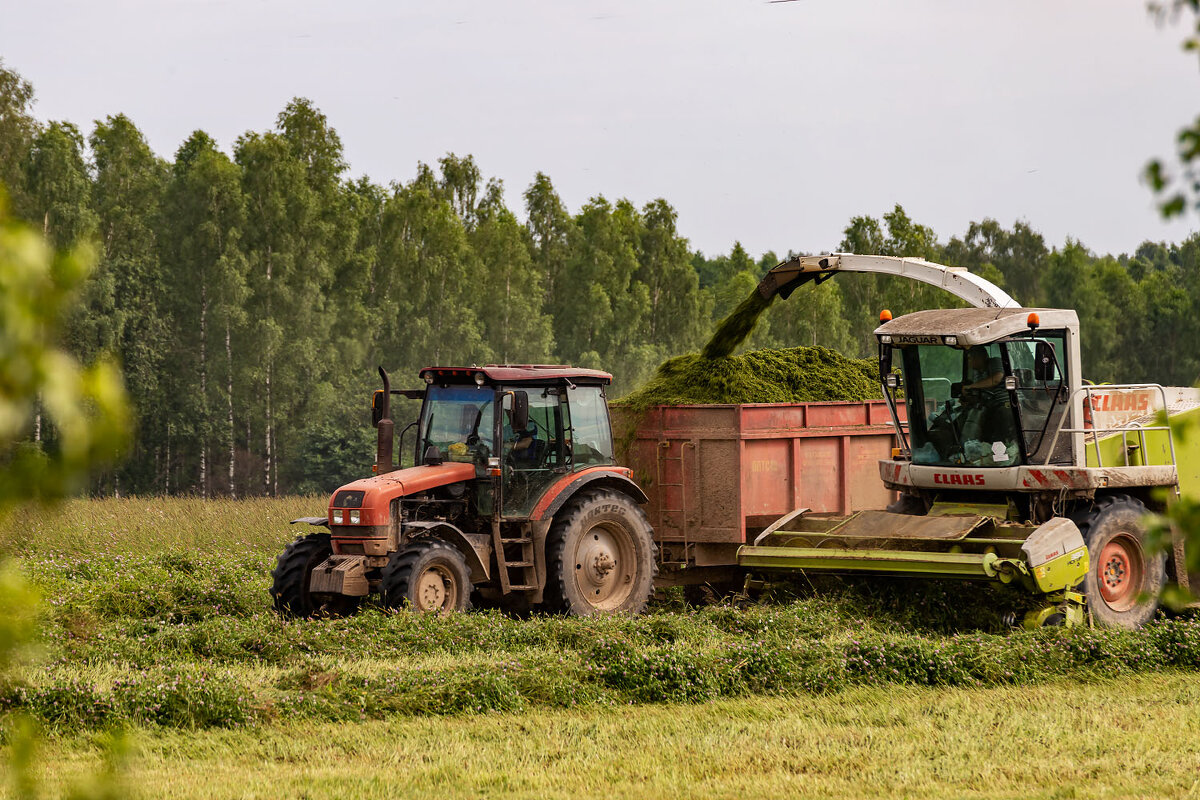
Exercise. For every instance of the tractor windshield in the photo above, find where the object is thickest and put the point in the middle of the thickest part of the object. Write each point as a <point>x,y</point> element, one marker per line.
<point>959,412</point>
<point>458,421</point>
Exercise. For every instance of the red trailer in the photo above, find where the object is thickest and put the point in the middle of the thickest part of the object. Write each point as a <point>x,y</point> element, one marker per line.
<point>716,475</point>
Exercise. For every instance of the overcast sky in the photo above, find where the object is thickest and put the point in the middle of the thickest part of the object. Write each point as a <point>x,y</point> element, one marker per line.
<point>769,123</point>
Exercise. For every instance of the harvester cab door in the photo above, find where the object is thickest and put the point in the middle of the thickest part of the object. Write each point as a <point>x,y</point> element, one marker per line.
<point>532,456</point>
<point>1041,392</point>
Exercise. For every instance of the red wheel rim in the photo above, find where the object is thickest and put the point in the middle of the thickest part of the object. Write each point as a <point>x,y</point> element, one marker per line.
<point>1121,572</point>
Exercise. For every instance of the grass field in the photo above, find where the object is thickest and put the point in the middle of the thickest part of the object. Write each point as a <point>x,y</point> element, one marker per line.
<point>157,620</point>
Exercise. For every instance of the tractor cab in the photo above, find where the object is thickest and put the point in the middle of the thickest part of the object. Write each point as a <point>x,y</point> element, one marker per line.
<point>528,425</point>
<point>981,387</point>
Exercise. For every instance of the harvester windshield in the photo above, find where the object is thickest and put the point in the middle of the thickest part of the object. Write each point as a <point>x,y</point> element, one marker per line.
<point>983,406</point>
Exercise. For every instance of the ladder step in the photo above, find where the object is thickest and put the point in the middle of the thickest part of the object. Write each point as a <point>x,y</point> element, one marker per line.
<point>519,563</point>
<point>520,587</point>
<point>522,540</point>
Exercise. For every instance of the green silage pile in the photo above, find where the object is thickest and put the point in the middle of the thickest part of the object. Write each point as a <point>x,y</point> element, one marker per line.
<point>791,375</point>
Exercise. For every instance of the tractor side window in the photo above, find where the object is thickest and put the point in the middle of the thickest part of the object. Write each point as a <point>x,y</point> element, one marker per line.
<point>533,456</point>
<point>589,436</point>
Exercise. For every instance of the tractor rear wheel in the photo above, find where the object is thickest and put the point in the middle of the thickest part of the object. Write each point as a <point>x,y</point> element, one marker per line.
<point>292,574</point>
<point>1124,579</point>
<point>600,556</point>
<point>427,576</point>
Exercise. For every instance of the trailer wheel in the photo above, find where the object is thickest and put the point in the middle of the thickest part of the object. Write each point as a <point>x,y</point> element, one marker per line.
<point>427,576</point>
<point>601,556</point>
<point>291,576</point>
<point>1123,580</point>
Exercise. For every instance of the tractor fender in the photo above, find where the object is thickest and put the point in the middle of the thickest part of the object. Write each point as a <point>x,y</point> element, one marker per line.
<point>560,492</point>
<point>475,547</point>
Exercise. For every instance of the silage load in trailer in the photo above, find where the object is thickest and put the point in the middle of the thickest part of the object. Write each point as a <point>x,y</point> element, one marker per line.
<point>790,375</point>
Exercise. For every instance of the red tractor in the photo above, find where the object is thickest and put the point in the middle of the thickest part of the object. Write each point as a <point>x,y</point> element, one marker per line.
<point>516,498</point>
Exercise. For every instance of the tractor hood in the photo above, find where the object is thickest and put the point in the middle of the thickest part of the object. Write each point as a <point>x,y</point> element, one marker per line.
<point>373,496</point>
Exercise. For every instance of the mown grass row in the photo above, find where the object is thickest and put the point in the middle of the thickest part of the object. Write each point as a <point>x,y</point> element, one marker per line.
<point>181,640</point>
<point>157,613</point>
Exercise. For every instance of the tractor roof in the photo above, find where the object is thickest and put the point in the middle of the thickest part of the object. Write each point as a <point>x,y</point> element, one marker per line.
<point>519,373</point>
<point>973,325</point>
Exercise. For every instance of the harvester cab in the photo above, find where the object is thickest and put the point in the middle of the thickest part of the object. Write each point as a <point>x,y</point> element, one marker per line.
<point>1009,466</point>
<point>513,497</point>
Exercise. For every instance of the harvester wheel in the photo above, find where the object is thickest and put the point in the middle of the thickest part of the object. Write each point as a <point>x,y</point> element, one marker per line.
<point>601,557</point>
<point>427,576</point>
<point>291,576</point>
<point>1123,580</point>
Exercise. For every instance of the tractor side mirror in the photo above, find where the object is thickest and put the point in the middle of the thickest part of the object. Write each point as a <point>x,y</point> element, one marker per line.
<point>377,408</point>
<point>1043,362</point>
<point>885,362</point>
<point>520,411</point>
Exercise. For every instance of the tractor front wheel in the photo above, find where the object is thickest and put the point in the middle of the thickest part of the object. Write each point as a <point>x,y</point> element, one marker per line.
<point>600,556</point>
<point>427,576</point>
<point>291,577</point>
<point>1124,579</point>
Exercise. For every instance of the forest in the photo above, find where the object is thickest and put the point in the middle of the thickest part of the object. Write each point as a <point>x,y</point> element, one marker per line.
<point>248,296</point>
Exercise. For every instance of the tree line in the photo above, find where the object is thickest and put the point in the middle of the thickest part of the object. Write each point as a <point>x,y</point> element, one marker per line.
<point>249,295</point>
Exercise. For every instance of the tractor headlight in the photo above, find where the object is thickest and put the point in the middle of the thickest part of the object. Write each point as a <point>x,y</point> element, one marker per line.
<point>354,517</point>
<point>951,340</point>
<point>337,516</point>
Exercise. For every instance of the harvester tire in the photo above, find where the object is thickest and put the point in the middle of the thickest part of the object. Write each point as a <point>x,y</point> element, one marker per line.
<point>290,581</point>
<point>1124,579</point>
<point>601,557</point>
<point>428,575</point>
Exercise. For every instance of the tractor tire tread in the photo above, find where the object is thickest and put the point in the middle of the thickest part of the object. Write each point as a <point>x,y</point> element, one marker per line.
<point>556,594</point>
<point>395,581</point>
<point>289,579</point>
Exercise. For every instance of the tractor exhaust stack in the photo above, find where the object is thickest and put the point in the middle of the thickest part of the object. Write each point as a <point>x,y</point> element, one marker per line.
<point>386,428</point>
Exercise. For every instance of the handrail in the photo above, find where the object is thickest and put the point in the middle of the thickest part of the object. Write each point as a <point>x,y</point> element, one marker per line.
<point>1126,428</point>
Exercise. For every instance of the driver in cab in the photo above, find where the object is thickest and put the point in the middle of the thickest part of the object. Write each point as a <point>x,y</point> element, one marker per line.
<point>518,444</point>
<point>985,373</point>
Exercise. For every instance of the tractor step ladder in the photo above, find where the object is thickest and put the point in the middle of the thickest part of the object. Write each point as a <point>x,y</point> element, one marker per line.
<point>525,578</point>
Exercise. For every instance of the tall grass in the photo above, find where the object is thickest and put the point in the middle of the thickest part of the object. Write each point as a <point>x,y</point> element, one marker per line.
<point>133,525</point>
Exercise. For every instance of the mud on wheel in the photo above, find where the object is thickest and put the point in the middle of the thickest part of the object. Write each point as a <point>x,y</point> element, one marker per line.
<point>427,576</point>
<point>292,574</point>
<point>1123,580</point>
<point>600,556</point>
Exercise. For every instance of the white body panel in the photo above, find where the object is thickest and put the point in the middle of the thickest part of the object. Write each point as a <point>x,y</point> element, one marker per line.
<point>899,474</point>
